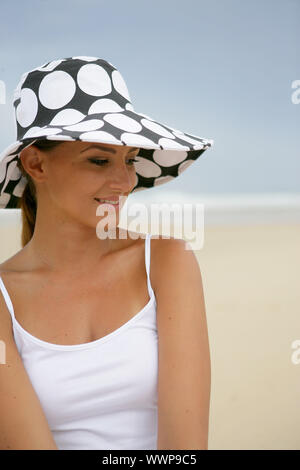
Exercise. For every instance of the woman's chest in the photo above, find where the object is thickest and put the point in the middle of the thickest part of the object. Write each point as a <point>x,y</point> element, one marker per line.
<point>74,311</point>
<point>79,316</point>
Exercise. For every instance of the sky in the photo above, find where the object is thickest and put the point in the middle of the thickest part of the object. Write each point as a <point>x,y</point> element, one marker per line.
<point>219,69</point>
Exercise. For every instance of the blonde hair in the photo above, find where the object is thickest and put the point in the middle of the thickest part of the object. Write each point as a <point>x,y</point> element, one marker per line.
<point>28,201</point>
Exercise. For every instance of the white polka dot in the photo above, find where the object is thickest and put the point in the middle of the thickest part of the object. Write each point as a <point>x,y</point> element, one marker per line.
<point>154,127</point>
<point>50,66</point>
<point>94,80</point>
<point>138,140</point>
<point>2,170</point>
<point>59,137</point>
<point>18,190</point>
<point>14,171</point>
<point>104,105</point>
<point>171,144</point>
<point>129,107</point>
<point>67,117</point>
<point>123,122</point>
<point>17,91</point>
<point>85,57</point>
<point>10,150</point>
<point>163,179</point>
<point>168,158</point>
<point>99,136</point>
<point>4,200</point>
<point>187,139</point>
<point>40,131</point>
<point>3,166</point>
<point>91,125</point>
<point>147,168</point>
<point>120,85</point>
<point>184,165</point>
<point>27,109</point>
<point>56,89</point>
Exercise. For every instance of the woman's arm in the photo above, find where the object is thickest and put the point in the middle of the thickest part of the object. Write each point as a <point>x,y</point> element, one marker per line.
<point>184,359</point>
<point>23,425</point>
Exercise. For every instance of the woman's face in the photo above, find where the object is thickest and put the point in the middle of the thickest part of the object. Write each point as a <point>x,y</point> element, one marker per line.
<point>72,175</point>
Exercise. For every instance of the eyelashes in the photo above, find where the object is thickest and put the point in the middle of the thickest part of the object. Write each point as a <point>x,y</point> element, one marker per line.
<point>102,162</point>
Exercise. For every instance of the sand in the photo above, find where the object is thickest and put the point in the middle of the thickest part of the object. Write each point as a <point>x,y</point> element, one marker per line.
<point>251,280</point>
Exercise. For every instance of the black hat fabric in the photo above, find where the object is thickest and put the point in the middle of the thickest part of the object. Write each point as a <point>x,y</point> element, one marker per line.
<point>86,98</point>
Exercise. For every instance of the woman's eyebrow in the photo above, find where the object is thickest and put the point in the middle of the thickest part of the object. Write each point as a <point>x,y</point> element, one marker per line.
<point>106,149</point>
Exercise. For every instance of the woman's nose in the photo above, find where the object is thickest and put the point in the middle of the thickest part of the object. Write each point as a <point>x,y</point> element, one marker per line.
<point>122,178</point>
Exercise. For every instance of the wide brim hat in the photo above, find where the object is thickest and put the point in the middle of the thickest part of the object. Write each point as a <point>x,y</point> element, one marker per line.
<point>86,98</point>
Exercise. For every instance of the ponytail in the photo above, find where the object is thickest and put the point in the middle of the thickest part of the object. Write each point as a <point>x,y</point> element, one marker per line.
<point>28,200</point>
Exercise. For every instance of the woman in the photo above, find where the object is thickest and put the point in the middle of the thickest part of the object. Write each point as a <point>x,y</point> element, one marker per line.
<point>100,354</point>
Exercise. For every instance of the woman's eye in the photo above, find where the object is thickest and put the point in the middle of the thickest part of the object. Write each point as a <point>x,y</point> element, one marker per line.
<point>133,160</point>
<point>97,162</point>
<point>102,162</point>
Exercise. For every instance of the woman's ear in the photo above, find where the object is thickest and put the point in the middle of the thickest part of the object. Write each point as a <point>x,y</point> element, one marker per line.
<point>31,159</point>
<point>22,156</point>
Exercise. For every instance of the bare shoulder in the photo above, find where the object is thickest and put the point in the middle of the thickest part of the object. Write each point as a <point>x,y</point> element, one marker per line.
<point>7,267</point>
<point>184,356</point>
<point>177,281</point>
<point>173,262</point>
<point>19,401</point>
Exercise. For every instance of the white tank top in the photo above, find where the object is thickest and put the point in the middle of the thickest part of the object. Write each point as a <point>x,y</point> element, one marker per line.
<point>101,394</point>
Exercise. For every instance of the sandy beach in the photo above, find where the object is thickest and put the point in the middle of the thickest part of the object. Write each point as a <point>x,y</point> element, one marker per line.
<point>251,284</point>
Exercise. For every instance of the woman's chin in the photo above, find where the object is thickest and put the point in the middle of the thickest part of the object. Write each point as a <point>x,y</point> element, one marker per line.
<point>107,223</point>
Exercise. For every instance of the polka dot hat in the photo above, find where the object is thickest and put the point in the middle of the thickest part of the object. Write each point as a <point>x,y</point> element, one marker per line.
<point>86,98</point>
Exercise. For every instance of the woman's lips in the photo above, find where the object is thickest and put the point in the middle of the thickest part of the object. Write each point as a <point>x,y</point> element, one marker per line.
<point>108,198</point>
<point>104,202</point>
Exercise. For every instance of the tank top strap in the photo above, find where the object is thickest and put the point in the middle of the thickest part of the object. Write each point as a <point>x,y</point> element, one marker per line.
<point>7,299</point>
<point>147,261</point>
